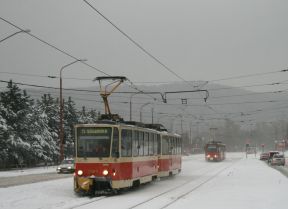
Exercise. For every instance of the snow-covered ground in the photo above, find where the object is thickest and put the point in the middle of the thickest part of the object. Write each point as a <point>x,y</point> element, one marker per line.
<point>237,182</point>
<point>28,171</point>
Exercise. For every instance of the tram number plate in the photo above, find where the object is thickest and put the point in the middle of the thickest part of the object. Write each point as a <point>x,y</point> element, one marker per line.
<point>211,158</point>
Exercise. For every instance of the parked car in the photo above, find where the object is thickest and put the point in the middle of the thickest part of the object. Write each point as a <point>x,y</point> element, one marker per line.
<point>264,156</point>
<point>278,159</point>
<point>67,166</point>
<point>271,154</point>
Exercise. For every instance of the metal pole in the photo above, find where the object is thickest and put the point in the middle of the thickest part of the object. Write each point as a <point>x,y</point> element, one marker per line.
<point>141,110</point>
<point>61,134</point>
<point>61,104</point>
<point>152,109</point>
<point>131,105</point>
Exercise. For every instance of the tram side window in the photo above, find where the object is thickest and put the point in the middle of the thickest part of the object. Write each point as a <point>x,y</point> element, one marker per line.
<point>172,146</point>
<point>126,143</point>
<point>141,143</point>
<point>165,146</point>
<point>169,145</point>
<point>135,139</point>
<point>181,145</point>
<point>151,144</point>
<point>158,145</point>
<point>115,143</point>
<point>155,144</point>
<point>146,143</point>
<point>178,146</point>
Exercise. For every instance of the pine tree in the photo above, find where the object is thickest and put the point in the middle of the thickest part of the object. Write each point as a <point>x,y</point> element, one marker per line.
<point>3,139</point>
<point>82,117</point>
<point>87,117</point>
<point>42,145</point>
<point>70,119</point>
<point>93,116</point>
<point>50,107</point>
<point>15,108</point>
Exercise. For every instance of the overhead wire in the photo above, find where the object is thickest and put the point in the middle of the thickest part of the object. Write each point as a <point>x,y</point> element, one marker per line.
<point>137,44</point>
<point>137,88</point>
<point>93,91</point>
<point>60,50</point>
<point>234,113</point>
<point>53,46</point>
<point>141,91</point>
<point>64,52</point>
<point>246,76</point>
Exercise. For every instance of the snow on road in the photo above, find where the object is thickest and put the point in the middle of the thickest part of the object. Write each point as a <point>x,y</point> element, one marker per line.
<point>238,182</point>
<point>28,171</point>
<point>247,184</point>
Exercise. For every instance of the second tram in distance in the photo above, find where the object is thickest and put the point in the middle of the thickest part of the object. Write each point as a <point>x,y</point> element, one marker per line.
<point>111,156</point>
<point>215,151</point>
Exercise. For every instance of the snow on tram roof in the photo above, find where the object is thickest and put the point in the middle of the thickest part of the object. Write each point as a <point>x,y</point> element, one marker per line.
<point>133,124</point>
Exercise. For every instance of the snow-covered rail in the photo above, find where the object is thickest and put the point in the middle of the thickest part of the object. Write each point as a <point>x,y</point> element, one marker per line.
<point>174,194</point>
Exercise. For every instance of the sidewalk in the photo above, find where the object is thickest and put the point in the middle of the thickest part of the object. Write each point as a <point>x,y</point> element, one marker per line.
<point>28,171</point>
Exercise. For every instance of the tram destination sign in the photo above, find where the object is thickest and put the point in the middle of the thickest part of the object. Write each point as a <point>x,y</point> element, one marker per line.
<point>93,131</point>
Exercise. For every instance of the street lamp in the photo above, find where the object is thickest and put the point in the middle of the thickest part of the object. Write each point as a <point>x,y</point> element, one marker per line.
<point>131,104</point>
<point>20,31</point>
<point>61,134</point>
<point>141,110</point>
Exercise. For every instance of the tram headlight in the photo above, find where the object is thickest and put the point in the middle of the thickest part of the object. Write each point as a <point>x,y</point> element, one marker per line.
<point>105,172</point>
<point>208,155</point>
<point>80,172</point>
<point>215,156</point>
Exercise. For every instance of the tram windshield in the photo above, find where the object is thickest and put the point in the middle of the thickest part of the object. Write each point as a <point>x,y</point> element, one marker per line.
<point>211,148</point>
<point>93,141</point>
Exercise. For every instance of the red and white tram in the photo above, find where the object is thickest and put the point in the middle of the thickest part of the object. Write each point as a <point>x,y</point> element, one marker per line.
<point>111,156</point>
<point>215,151</point>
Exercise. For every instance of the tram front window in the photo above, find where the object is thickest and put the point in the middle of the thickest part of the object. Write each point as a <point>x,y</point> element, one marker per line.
<point>93,142</point>
<point>212,149</point>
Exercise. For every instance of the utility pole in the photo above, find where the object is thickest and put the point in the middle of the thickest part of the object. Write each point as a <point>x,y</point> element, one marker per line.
<point>61,104</point>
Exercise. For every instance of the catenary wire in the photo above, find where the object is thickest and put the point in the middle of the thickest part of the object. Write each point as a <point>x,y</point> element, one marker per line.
<point>62,51</point>
<point>138,45</point>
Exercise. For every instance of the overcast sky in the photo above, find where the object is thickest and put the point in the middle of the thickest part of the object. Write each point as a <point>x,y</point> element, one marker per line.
<point>197,39</point>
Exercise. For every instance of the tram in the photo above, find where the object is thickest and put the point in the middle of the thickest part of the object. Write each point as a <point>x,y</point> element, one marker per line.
<point>111,156</point>
<point>215,151</point>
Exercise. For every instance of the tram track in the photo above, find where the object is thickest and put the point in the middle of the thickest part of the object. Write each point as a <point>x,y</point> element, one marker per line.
<point>175,199</point>
<point>195,188</point>
<point>103,197</point>
<point>201,181</point>
<point>88,202</point>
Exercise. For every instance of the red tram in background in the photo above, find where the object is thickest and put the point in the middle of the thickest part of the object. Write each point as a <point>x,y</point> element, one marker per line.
<point>111,156</point>
<point>215,151</point>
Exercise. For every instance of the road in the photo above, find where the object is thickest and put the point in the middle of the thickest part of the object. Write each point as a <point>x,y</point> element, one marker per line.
<point>32,178</point>
<point>243,182</point>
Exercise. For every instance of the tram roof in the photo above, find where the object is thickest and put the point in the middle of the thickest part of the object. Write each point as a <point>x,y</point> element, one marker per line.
<point>157,127</point>
<point>216,142</point>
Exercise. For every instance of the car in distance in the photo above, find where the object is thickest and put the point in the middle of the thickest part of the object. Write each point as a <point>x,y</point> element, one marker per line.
<point>66,166</point>
<point>271,154</point>
<point>264,156</point>
<point>278,159</point>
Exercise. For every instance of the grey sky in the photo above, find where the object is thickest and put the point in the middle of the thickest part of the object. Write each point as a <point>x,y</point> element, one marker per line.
<point>197,39</point>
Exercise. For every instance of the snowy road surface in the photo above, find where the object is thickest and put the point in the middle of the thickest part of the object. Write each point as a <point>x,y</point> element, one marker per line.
<point>237,182</point>
<point>31,178</point>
